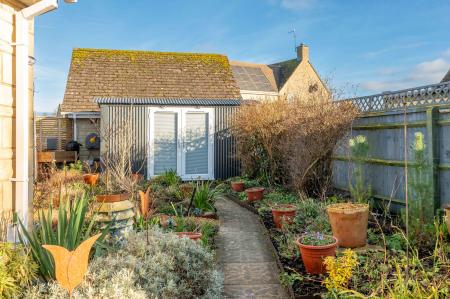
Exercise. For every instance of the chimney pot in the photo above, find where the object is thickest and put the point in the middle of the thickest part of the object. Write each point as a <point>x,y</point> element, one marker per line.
<point>303,53</point>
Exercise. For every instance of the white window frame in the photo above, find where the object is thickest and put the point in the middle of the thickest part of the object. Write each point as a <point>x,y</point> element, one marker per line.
<point>181,150</point>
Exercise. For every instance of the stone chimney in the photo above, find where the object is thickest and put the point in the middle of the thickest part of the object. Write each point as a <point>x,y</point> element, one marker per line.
<point>303,53</point>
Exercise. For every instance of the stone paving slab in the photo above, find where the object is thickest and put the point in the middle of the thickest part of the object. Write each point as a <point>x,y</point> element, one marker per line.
<point>245,255</point>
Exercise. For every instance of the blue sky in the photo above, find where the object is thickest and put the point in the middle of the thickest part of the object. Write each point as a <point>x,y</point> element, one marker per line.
<point>361,46</point>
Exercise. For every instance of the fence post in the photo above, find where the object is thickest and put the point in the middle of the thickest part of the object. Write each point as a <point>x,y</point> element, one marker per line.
<point>433,154</point>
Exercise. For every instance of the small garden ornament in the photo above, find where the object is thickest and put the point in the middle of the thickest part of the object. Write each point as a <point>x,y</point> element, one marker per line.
<point>71,266</point>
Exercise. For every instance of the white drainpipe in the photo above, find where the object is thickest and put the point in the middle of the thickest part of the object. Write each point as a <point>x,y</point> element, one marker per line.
<point>23,112</point>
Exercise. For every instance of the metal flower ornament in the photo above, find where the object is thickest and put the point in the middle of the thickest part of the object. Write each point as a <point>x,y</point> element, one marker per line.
<point>71,266</point>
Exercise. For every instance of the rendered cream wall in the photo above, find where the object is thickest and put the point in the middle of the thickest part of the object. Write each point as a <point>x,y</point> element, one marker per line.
<point>7,104</point>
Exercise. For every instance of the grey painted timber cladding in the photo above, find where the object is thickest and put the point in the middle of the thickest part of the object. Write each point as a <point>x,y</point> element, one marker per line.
<point>385,135</point>
<point>226,163</point>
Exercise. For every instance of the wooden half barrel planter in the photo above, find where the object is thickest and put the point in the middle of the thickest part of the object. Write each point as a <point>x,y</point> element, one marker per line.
<point>255,193</point>
<point>314,255</point>
<point>349,223</point>
<point>117,212</point>
<point>283,213</point>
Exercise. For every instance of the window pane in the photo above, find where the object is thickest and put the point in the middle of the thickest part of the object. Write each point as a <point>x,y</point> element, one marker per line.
<point>165,143</point>
<point>196,143</point>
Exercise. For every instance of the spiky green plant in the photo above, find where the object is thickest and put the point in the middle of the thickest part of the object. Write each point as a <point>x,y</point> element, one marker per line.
<point>359,149</point>
<point>72,229</point>
<point>168,178</point>
<point>205,196</point>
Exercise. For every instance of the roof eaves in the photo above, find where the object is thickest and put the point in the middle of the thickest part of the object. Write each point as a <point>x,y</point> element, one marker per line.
<point>167,101</point>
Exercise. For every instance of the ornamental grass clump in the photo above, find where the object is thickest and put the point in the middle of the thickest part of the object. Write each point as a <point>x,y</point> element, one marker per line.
<point>289,142</point>
<point>17,269</point>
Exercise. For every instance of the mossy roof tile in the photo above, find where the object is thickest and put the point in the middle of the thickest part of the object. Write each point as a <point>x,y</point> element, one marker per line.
<point>147,74</point>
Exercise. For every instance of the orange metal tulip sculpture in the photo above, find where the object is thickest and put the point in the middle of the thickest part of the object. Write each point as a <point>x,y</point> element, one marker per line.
<point>71,266</point>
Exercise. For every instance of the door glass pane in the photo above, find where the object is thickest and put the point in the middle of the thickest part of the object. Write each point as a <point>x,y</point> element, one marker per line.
<point>196,143</point>
<point>165,142</point>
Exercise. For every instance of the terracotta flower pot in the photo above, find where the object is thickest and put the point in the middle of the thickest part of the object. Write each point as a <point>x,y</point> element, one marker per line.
<point>447,218</point>
<point>349,223</point>
<point>91,179</point>
<point>313,256</point>
<point>283,214</point>
<point>237,186</point>
<point>191,235</point>
<point>255,194</point>
<point>136,177</point>
<point>108,198</point>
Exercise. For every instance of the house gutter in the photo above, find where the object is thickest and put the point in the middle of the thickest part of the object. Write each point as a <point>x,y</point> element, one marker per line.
<point>22,190</point>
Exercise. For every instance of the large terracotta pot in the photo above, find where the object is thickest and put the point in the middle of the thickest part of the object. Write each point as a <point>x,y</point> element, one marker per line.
<point>447,218</point>
<point>91,179</point>
<point>237,186</point>
<point>112,197</point>
<point>255,194</point>
<point>349,223</point>
<point>313,256</point>
<point>191,235</point>
<point>283,214</point>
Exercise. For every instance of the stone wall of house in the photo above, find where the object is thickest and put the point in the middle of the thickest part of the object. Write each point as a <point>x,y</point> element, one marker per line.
<point>85,126</point>
<point>305,83</point>
<point>7,104</point>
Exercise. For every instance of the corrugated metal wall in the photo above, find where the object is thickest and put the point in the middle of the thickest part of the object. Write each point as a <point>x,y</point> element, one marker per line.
<point>226,163</point>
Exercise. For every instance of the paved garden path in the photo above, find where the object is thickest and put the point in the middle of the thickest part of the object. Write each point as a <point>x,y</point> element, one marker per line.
<point>245,255</point>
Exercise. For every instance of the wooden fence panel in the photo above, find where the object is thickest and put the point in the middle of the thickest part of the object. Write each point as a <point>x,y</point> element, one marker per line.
<point>57,128</point>
<point>382,122</point>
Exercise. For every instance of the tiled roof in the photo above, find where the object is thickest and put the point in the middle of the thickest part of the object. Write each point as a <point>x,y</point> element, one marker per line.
<point>283,70</point>
<point>144,74</point>
<point>446,77</point>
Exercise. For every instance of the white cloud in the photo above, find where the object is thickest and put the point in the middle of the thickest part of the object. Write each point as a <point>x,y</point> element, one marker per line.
<point>446,52</point>
<point>391,79</point>
<point>380,86</point>
<point>430,71</point>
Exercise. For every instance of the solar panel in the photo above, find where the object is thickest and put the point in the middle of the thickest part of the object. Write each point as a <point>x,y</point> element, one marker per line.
<point>251,78</point>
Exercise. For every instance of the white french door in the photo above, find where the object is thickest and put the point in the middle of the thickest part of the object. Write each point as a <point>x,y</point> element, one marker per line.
<point>182,139</point>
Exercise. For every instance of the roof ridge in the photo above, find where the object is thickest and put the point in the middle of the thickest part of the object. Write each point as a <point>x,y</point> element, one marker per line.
<point>129,51</point>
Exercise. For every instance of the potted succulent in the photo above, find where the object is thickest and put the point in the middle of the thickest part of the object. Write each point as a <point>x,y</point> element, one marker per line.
<point>238,186</point>
<point>349,220</point>
<point>283,213</point>
<point>255,193</point>
<point>314,248</point>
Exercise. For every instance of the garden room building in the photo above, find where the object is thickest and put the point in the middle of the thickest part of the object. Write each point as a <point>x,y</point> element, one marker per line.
<point>175,108</point>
